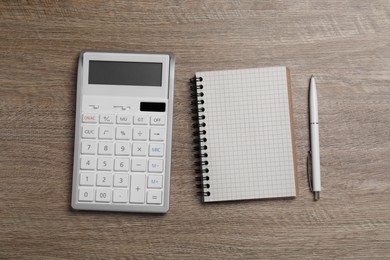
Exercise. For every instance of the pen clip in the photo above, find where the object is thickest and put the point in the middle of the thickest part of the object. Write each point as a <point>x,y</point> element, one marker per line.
<point>309,171</point>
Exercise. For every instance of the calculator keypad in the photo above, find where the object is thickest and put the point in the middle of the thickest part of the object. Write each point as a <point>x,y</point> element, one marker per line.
<point>122,159</point>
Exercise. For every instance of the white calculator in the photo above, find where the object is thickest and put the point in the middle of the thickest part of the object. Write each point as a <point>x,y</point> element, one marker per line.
<point>123,135</point>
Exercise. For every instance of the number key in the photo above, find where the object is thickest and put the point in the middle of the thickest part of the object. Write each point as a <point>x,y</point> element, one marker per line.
<point>88,147</point>
<point>104,164</point>
<point>103,195</point>
<point>86,179</point>
<point>105,148</point>
<point>104,179</point>
<point>122,149</point>
<point>121,180</point>
<point>121,165</point>
<point>85,194</point>
<point>87,163</point>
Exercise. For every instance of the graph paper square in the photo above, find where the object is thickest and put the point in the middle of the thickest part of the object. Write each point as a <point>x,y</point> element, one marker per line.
<point>249,134</point>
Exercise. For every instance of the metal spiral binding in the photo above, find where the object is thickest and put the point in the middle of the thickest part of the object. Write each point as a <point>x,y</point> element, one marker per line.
<point>200,139</point>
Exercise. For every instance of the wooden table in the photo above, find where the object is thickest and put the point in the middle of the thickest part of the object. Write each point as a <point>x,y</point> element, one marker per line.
<point>345,44</point>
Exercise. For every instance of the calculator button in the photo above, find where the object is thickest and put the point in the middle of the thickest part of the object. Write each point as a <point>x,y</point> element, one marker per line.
<point>155,181</point>
<point>122,148</point>
<point>88,147</point>
<point>106,119</point>
<point>106,148</point>
<point>123,133</point>
<point>103,195</point>
<point>137,188</point>
<point>90,118</point>
<point>106,132</point>
<point>154,197</point>
<point>140,133</point>
<point>104,164</point>
<point>123,119</point>
<point>86,179</point>
<point>138,165</point>
<point>121,165</point>
<point>157,134</point>
<point>89,132</point>
<point>104,179</point>
<point>157,120</point>
<point>140,120</point>
<point>121,180</point>
<point>87,163</point>
<point>139,149</point>
<point>156,150</point>
<point>85,194</point>
<point>120,196</point>
<point>156,165</point>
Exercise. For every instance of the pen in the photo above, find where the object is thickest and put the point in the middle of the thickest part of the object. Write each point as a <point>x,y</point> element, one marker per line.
<point>314,141</point>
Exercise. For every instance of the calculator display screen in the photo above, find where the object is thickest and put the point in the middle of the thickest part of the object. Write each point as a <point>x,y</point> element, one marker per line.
<point>125,73</point>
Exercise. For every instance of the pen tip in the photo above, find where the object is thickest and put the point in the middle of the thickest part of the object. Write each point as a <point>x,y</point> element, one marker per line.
<point>316,195</point>
<point>312,76</point>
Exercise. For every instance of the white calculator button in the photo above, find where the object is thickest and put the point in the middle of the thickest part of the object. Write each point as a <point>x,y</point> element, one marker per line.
<point>140,120</point>
<point>120,196</point>
<point>104,179</point>
<point>137,188</point>
<point>87,179</point>
<point>123,119</point>
<point>87,163</point>
<point>88,147</point>
<point>139,149</point>
<point>140,133</point>
<point>155,181</point>
<point>122,148</point>
<point>157,134</point>
<point>89,132</point>
<point>104,164</point>
<point>157,120</point>
<point>103,195</point>
<point>90,118</point>
<point>106,148</point>
<point>121,165</point>
<point>138,165</point>
<point>85,194</point>
<point>156,150</point>
<point>106,119</point>
<point>121,180</point>
<point>154,197</point>
<point>156,165</point>
<point>106,132</point>
<point>123,133</point>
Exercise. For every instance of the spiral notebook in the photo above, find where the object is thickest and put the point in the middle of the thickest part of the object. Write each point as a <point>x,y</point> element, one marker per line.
<point>245,143</point>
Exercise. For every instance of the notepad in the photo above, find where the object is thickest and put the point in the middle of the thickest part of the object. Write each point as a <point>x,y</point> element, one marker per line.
<point>246,144</point>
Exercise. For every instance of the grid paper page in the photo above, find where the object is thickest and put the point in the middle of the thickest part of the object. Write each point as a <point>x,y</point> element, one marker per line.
<point>249,139</point>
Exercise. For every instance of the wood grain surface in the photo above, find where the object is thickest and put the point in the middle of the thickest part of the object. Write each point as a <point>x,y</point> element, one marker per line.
<point>345,44</point>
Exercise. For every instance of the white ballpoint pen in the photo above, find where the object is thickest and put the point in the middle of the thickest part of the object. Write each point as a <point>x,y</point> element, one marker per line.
<point>314,153</point>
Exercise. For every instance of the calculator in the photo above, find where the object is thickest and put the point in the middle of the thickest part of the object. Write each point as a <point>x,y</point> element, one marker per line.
<point>123,131</point>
